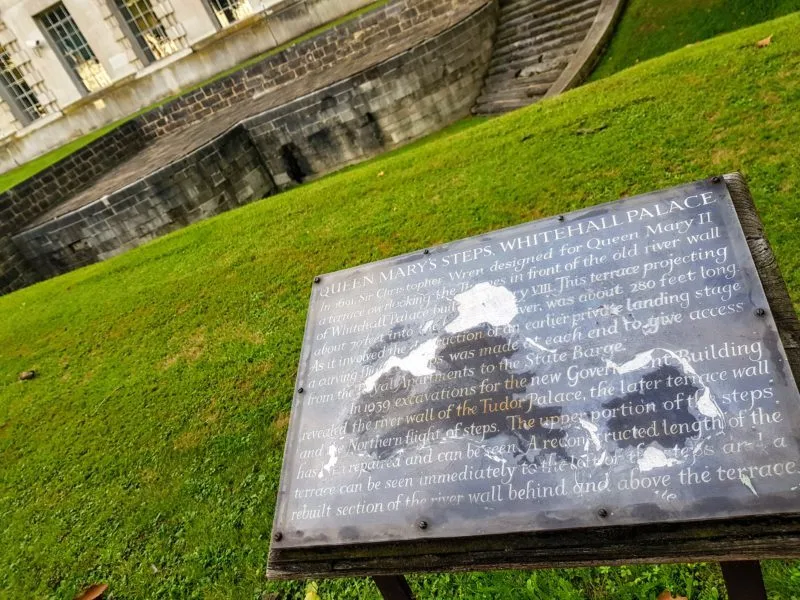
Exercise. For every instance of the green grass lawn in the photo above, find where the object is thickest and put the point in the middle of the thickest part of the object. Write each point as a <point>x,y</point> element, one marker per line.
<point>27,170</point>
<point>146,454</point>
<point>650,28</point>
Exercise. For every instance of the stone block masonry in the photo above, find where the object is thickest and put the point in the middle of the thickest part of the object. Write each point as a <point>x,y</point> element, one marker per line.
<point>398,72</point>
<point>389,102</point>
<point>377,29</point>
<point>34,196</point>
<point>221,175</point>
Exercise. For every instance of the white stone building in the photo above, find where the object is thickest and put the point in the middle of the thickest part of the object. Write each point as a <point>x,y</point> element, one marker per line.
<point>70,66</point>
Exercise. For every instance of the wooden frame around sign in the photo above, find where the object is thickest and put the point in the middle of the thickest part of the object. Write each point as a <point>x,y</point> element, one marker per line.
<point>739,539</point>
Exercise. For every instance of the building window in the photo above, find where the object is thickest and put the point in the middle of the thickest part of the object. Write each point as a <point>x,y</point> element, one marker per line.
<point>23,100</point>
<point>230,11</point>
<point>147,29</point>
<point>73,47</point>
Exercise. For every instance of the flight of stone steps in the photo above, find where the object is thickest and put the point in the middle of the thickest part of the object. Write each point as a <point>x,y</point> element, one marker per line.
<point>534,43</point>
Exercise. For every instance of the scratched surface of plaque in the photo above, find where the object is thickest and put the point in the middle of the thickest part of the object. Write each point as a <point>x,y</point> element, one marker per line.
<point>616,366</point>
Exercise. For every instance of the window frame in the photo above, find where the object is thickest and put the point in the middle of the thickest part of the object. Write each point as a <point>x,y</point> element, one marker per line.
<point>39,19</point>
<point>209,4</point>
<point>143,50</point>
<point>20,112</point>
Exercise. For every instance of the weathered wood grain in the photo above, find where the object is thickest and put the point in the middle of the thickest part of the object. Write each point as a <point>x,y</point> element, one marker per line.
<point>780,304</point>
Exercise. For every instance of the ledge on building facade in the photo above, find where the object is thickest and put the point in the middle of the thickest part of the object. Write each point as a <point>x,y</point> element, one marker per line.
<point>279,7</point>
<point>225,32</point>
<point>38,123</point>
<point>97,95</point>
<point>164,62</point>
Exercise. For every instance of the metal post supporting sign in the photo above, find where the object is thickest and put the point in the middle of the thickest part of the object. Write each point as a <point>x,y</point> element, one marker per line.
<point>393,587</point>
<point>743,580</point>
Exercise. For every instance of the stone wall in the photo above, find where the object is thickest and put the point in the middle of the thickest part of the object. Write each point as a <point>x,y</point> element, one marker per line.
<point>219,176</point>
<point>409,95</point>
<point>379,28</point>
<point>15,271</point>
<point>35,196</point>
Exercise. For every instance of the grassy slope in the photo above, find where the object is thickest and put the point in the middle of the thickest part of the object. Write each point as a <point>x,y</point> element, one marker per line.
<point>650,28</point>
<point>147,452</point>
<point>24,171</point>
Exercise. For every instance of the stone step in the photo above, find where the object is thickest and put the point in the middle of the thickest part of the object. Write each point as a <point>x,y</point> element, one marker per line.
<point>534,27</point>
<point>531,91</point>
<point>499,107</point>
<point>526,80</point>
<point>524,42</point>
<point>537,10</point>
<point>544,72</point>
<point>513,63</point>
<point>521,88</point>
<point>562,47</point>
<point>513,9</point>
<point>536,52</point>
<point>533,24</point>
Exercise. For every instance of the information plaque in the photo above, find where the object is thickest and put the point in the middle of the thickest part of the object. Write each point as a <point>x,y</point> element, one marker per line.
<point>619,365</point>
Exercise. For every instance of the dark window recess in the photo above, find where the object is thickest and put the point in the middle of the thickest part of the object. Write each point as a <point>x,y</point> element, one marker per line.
<point>372,126</point>
<point>295,164</point>
<point>230,11</point>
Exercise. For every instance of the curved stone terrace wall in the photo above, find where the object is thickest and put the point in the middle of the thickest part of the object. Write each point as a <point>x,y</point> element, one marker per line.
<point>408,72</point>
<point>22,204</point>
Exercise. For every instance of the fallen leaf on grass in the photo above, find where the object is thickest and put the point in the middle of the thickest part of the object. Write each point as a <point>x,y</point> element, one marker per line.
<point>381,174</point>
<point>311,592</point>
<point>667,595</point>
<point>93,592</point>
<point>765,42</point>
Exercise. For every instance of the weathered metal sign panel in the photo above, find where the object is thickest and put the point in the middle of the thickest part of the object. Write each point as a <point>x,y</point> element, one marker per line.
<point>619,365</point>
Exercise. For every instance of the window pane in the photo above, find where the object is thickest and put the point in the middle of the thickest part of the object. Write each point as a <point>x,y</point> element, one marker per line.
<point>147,29</point>
<point>21,94</point>
<point>71,44</point>
<point>230,11</point>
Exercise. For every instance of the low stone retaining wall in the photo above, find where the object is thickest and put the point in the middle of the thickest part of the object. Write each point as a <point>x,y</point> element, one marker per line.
<point>219,176</point>
<point>384,27</point>
<point>409,95</point>
<point>34,196</point>
<point>377,29</point>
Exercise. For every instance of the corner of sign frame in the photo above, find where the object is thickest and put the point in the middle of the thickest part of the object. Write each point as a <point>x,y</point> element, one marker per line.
<point>736,182</point>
